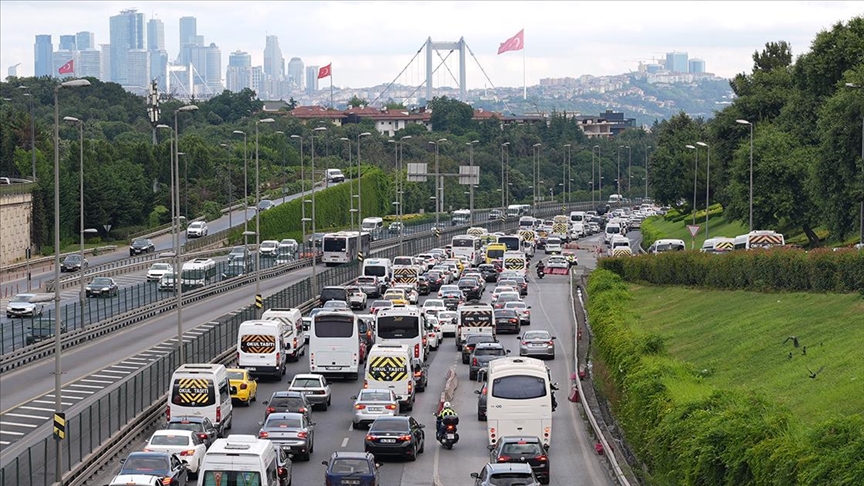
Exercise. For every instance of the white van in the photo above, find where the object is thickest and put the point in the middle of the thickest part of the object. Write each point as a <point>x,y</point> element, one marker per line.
<point>612,229</point>
<point>334,175</point>
<point>261,348</point>
<point>620,246</point>
<point>292,330</point>
<point>378,267</point>
<point>577,216</point>
<point>718,244</point>
<point>244,459</point>
<point>615,199</point>
<point>389,367</point>
<point>373,226</point>
<point>201,390</point>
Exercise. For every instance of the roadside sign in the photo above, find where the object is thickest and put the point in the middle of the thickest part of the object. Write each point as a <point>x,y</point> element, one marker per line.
<point>107,228</point>
<point>694,228</point>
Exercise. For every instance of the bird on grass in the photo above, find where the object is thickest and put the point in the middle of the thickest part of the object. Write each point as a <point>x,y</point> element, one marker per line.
<point>794,340</point>
<point>812,374</point>
<point>804,350</point>
<point>790,355</point>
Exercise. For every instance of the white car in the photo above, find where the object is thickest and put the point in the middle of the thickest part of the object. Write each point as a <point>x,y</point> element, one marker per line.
<point>553,245</point>
<point>356,297</point>
<point>22,306</point>
<point>269,248</point>
<point>448,320</point>
<point>185,443</point>
<point>433,307</point>
<point>196,229</point>
<point>447,288</point>
<point>136,480</point>
<point>314,386</point>
<point>434,335</point>
<point>157,270</point>
<point>410,292</point>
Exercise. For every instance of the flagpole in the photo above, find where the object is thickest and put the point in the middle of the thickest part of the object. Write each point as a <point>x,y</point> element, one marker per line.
<point>332,106</point>
<point>524,76</point>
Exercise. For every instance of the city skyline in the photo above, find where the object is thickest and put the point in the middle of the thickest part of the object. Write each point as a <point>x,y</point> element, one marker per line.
<point>348,34</point>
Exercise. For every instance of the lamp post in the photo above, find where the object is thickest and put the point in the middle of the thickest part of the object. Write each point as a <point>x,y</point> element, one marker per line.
<point>245,188</point>
<point>58,348</point>
<point>745,122</point>
<point>359,189</point>
<point>646,170</point>
<point>80,123</point>
<point>593,201</point>
<point>707,184</point>
<point>618,180</point>
<point>695,172</point>
<point>567,175</point>
<point>535,173</point>
<point>33,155</point>
<point>861,211</point>
<point>178,284</point>
<point>471,184</point>
<point>629,166</point>
<point>284,168</point>
<point>350,184</point>
<point>401,190</point>
<point>303,217</point>
<point>314,244</point>
<point>230,185</point>
<point>503,179</point>
<point>258,220</point>
<point>438,182</point>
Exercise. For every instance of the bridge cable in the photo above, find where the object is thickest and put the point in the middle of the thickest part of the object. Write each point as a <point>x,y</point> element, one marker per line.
<point>398,75</point>
<point>506,107</point>
<point>448,68</point>
<point>424,82</point>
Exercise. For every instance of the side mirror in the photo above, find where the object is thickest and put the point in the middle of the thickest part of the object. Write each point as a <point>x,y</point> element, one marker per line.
<point>325,463</point>
<point>508,351</point>
<point>265,402</point>
<point>233,390</point>
<point>475,475</point>
<point>490,447</point>
<point>553,337</point>
<point>422,426</point>
<point>476,392</point>
<point>353,397</point>
<point>260,423</point>
<point>529,306</point>
<point>545,447</point>
<point>377,465</point>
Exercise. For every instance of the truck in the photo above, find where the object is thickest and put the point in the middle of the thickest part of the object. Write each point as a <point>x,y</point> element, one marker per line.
<point>474,319</point>
<point>560,226</point>
<point>405,275</point>
<point>460,217</point>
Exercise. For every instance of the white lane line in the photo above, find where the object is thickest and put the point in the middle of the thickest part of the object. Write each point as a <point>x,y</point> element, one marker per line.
<point>9,432</point>
<point>127,367</point>
<point>195,331</point>
<point>51,402</point>
<point>21,415</point>
<point>16,424</point>
<point>103,376</point>
<point>87,386</point>
<point>51,395</point>
<point>151,354</point>
<point>104,382</point>
<point>3,442</point>
<point>119,372</point>
<point>137,360</point>
<point>41,409</point>
<point>345,442</point>
<point>351,427</point>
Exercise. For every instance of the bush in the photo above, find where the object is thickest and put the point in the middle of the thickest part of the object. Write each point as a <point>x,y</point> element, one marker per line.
<point>650,233</point>
<point>158,216</point>
<point>211,211</point>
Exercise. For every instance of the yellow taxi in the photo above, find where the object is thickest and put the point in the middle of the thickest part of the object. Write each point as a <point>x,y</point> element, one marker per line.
<point>244,387</point>
<point>395,294</point>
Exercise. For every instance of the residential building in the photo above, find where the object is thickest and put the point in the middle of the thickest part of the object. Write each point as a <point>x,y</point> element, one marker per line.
<point>67,43</point>
<point>274,63</point>
<point>311,80</point>
<point>257,79</point>
<point>696,66</point>
<point>155,35</point>
<point>676,62</point>
<point>43,55</point>
<point>89,64</point>
<point>238,76</point>
<point>127,34</point>
<point>296,73</point>
<point>85,40</point>
<point>15,71</point>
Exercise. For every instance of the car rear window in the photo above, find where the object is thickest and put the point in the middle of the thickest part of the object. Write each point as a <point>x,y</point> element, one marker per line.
<point>170,440</point>
<point>287,403</point>
<point>390,425</point>
<point>521,448</point>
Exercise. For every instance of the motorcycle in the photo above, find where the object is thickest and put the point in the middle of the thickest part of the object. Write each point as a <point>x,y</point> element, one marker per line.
<point>540,272</point>
<point>448,436</point>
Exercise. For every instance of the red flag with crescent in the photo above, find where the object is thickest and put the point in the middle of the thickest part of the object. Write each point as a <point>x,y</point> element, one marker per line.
<point>325,71</point>
<point>515,43</point>
<point>67,68</point>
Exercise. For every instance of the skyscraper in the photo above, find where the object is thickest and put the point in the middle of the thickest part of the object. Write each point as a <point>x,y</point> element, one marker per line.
<point>676,62</point>
<point>85,40</point>
<point>43,55</point>
<point>296,73</point>
<point>274,63</point>
<point>89,64</point>
<point>188,38</point>
<point>137,70</point>
<point>311,80</point>
<point>155,35</point>
<point>127,33</point>
<point>159,67</point>
<point>239,73</point>
<point>697,66</point>
<point>15,71</point>
<point>67,43</point>
<point>105,56</point>
<point>60,58</point>
<point>207,69</point>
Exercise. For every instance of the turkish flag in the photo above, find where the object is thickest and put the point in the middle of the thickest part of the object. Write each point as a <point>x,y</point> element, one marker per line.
<point>515,43</point>
<point>325,71</point>
<point>67,68</point>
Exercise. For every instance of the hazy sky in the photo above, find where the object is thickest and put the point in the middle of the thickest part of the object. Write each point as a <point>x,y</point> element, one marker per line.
<point>371,42</point>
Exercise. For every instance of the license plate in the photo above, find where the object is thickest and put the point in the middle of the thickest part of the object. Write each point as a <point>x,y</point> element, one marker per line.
<point>388,441</point>
<point>375,409</point>
<point>537,345</point>
<point>332,367</point>
<point>451,436</point>
<point>251,368</point>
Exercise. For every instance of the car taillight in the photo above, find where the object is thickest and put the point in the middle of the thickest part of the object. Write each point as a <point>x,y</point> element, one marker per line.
<point>302,435</point>
<point>301,410</point>
<point>186,453</point>
<point>270,410</point>
<point>542,458</point>
<point>277,359</point>
<point>370,437</point>
<point>390,407</point>
<point>524,343</point>
<point>417,349</point>
<point>360,406</point>
<point>503,458</point>
<point>238,356</point>
<point>168,412</point>
<point>166,481</point>
<point>550,343</point>
<point>404,438</point>
<point>263,435</point>
<point>202,436</point>
<point>218,414</point>
<point>146,450</point>
<point>424,344</point>
<point>474,362</point>
<point>418,374</point>
<point>244,386</point>
<point>410,386</point>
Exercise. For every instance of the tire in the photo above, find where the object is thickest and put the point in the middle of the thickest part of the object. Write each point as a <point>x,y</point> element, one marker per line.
<point>413,457</point>
<point>472,376</point>
<point>324,407</point>
<point>422,446</point>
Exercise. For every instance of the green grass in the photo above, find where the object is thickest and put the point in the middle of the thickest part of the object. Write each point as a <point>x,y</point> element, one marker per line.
<point>737,339</point>
<point>717,226</point>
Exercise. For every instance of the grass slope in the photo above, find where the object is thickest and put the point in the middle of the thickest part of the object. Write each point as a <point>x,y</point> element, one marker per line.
<point>717,226</point>
<point>738,338</point>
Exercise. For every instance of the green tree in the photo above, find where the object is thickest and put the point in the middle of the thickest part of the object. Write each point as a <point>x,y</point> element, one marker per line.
<point>357,102</point>
<point>451,115</point>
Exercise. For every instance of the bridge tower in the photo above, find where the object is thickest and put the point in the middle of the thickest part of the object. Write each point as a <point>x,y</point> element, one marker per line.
<point>449,46</point>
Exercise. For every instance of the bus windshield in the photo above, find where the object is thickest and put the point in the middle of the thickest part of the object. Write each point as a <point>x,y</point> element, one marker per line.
<point>518,387</point>
<point>463,242</point>
<point>511,242</point>
<point>398,327</point>
<point>334,244</point>
<point>334,327</point>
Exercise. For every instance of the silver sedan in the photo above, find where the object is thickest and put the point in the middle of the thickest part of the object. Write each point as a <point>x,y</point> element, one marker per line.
<point>372,403</point>
<point>537,343</point>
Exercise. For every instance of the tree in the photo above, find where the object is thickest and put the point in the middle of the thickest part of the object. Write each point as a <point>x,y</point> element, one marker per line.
<point>357,102</point>
<point>451,115</point>
<point>775,55</point>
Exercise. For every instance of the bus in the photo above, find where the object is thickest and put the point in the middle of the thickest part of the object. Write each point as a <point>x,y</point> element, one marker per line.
<point>342,247</point>
<point>460,217</point>
<point>512,242</point>
<point>402,325</point>
<point>467,246</point>
<point>519,399</point>
<point>334,344</point>
<point>759,239</point>
<point>198,273</point>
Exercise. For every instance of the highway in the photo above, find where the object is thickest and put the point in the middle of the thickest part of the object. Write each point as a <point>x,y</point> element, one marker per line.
<point>572,458</point>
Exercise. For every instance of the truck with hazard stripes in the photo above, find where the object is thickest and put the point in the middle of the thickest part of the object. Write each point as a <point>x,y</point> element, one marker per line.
<point>261,347</point>
<point>759,239</point>
<point>515,261</point>
<point>201,390</point>
<point>560,225</point>
<point>389,367</point>
<point>474,319</point>
<point>528,242</point>
<point>405,275</point>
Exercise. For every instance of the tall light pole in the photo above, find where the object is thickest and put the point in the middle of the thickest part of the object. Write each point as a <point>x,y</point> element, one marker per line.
<point>350,184</point>
<point>178,284</point>
<point>535,174</point>
<point>314,245</point>
<point>284,168</point>
<point>245,187</point>
<point>58,348</point>
<point>303,199</point>
<point>359,188</point>
<point>80,123</point>
<point>230,185</point>
<point>471,185</point>
<point>618,180</point>
<point>503,178</point>
<point>745,122</point>
<point>707,184</point>
<point>629,166</point>
<point>438,182</point>
<point>400,190</point>
<point>861,211</point>
<point>646,170</point>
<point>258,296</point>
<point>695,172</point>
<point>171,185</point>
<point>32,135</point>
<point>568,174</point>
<point>593,172</point>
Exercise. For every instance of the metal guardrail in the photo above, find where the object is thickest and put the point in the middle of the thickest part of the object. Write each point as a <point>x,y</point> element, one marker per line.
<point>50,259</point>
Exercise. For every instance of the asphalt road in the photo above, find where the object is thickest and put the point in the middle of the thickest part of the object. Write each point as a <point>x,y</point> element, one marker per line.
<point>572,458</point>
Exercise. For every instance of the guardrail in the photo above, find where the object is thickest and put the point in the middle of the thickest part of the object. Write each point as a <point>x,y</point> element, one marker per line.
<point>50,259</point>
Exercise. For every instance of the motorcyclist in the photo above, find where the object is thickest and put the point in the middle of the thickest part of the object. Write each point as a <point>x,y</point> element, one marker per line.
<point>541,267</point>
<point>554,387</point>
<point>446,410</point>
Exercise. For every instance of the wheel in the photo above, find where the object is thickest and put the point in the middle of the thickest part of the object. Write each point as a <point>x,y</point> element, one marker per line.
<point>328,401</point>
<point>472,376</point>
<point>413,457</point>
<point>306,457</point>
<point>255,396</point>
<point>324,407</point>
<point>422,446</point>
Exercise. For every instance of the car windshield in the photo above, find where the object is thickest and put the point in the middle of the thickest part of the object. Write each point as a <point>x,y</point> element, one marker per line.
<point>433,303</point>
<point>287,403</point>
<point>374,396</point>
<point>238,250</point>
<point>382,303</point>
<point>508,296</point>
<point>532,335</point>
<point>160,266</point>
<point>190,426</point>
<point>389,425</point>
<point>350,466</point>
<point>196,224</point>
<point>515,305</point>
<point>521,448</point>
<point>140,242</point>
<point>21,298</point>
<point>283,422</point>
<point>490,351</point>
<point>146,464</point>
<point>505,313</point>
<point>236,375</point>
<point>306,383</point>
<point>511,479</point>
<point>101,281</point>
<point>170,440</point>
<point>72,259</point>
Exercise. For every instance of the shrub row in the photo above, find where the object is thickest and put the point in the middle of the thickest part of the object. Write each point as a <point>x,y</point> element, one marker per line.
<point>650,233</point>
<point>777,269</point>
<point>689,433</point>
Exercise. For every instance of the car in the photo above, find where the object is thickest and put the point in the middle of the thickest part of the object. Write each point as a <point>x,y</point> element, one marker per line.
<point>351,468</point>
<point>333,292</point>
<point>507,320</point>
<point>184,443</point>
<point>168,282</point>
<point>201,426</point>
<point>269,249</point>
<point>447,288</point>
<point>141,245</point>
<point>471,287</point>
<point>163,464</point>
<point>411,294</point>
<point>452,299</point>
<point>434,278</point>
<point>41,329</point>
<point>291,432</point>
<point>400,436</point>
<point>446,275</point>
<point>505,297</point>
<point>157,270</point>
<point>421,374</point>
<point>366,323</point>
<point>481,356</point>
<point>502,287</point>
<point>334,175</point>
<point>288,248</point>
<point>448,321</point>
<point>288,401</point>
<point>495,214</point>
<point>265,204</point>
<point>5,181</point>
<point>537,343</point>
<point>236,268</point>
<point>557,262</point>
<point>372,285</point>
<point>521,284</point>
<point>337,305</point>
<point>490,274</point>
<point>494,474</point>
<point>379,304</point>
<point>522,309</point>
<point>433,306</point>
<point>21,305</point>
<point>395,228</point>
<point>471,341</point>
<point>315,386</point>
<point>245,387</point>
<point>196,229</point>
<point>372,403</point>
<point>101,286</point>
<point>423,286</point>
<point>517,449</point>
<point>434,334</point>
<point>356,298</point>
<point>241,253</point>
<point>73,263</point>
<point>482,395</point>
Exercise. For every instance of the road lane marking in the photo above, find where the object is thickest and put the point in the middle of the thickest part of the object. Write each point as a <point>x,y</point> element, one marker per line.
<point>9,432</point>
<point>87,386</point>
<point>119,372</point>
<point>22,415</point>
<point>16,424</point>
<point>127,367</point>
<point>137,360</point>
<point>345,442</point>
<point>104,382</point>
<point>41,409</point>
<point>51,402</point>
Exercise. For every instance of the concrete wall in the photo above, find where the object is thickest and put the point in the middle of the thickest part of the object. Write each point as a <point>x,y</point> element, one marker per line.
<point>15,212</point>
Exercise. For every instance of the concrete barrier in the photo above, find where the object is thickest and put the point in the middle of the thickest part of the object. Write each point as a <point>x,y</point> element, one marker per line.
<point>450,385</point>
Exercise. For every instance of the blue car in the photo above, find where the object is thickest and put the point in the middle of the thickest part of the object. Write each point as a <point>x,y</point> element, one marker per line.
<point>356,468</point>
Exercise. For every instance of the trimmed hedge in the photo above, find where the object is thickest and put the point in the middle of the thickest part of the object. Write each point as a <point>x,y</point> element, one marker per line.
<point>689,433</point>
<point>650,233</point>
<point>777,269</point>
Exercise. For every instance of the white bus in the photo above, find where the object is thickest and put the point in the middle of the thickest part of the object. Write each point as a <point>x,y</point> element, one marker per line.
<point>467,246</point>
<point>198,272</point>
<point>512,242</point>
<point>402,325</point>
<point>519,399</point>
<point>460,217</point>
<point>334,344</point>
<point>342,247</point>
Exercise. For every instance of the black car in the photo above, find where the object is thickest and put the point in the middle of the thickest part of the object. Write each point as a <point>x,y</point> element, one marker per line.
<point>333,293</point>
<point>507,320</point>
<point>472,288</point>
<point>452,299</point>
<point>398,436</point>
<point>421,374</point>
<point>366,329</point>
<point>102,286</point>
<point>163,464</point>
<point>288,401</point>
<point>41,329</point>
<point>73,263</point>
<point>523,449</point>
<point>471,341</point>
<point>435,279</point>
<point>236,268</point>
<point>201,426</point>
<point>141,245</point>
<point>522,283</point>
<point>490,274</point>
<point>423,285</point>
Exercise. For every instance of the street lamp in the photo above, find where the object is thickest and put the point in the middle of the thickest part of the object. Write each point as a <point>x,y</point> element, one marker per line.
<point>314,245</point>
<point>471,184</point>
<point>707,183</point>
<point>80,123</point>
<point>58,348</point>
<point>350,184</point>
<point>359,188</point>
<point>695,171</point>
<point>861,216</point>
<point>535,173</point>
<point>230,185</point>
<point>258,219</point>
<point>32,136</point>
<point>646,171</point>
<point>503,183</point>
<point>284,169</point>
<point>745,122</point>
<point>567,174</point>
<point>439,193</point>
<point>245,187</point>
<point>593,203</point>
<point>303,217</point>
<point>618,180</point>
<point>178,284</point>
